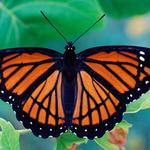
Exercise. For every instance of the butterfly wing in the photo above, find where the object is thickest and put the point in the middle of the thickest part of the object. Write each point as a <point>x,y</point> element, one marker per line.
<point>108,78</point>
<point>31,80</point>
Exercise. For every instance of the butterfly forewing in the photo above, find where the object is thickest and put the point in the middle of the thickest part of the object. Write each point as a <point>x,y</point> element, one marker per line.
<point>31,81</point>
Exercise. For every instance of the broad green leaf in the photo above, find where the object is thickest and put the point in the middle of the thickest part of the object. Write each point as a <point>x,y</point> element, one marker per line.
<point>9,138</point>
<point>66,140</point>
<point>104,142</point>
<point>23,25</point>
<point>142,103</point>
<point>125,8</point>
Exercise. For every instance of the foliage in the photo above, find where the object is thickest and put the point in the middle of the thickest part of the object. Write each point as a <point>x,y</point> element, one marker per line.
<point>21,24</point>
<point>124,8</point>
<point>66,141</point>
<point>9,138</point>
<point>104,141</point>
<point>140,104</point>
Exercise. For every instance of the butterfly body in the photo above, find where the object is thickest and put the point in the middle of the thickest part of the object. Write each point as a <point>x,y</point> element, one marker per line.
<point>69,81</point>
<point>86,92</point>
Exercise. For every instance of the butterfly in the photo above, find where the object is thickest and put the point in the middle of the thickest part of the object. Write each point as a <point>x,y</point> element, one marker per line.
<point>86,93</point>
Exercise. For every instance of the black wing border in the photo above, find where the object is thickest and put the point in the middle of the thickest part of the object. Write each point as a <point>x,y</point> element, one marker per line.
<point>94,50</point>
<point>45,51</point>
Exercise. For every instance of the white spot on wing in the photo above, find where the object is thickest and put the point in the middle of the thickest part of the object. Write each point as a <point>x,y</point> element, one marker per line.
<point>138,89</point>
<point>131,95</point>
<point>10,97</point>
<point>96,129</point>
<point>2,91</point>
<point>107,124</point>
<point>146,82</point>
<point>141,65</point>
<point>142,58</point>
<point>142,53</point>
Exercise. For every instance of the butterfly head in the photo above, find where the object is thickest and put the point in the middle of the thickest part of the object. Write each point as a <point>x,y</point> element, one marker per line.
<point>69,47</point>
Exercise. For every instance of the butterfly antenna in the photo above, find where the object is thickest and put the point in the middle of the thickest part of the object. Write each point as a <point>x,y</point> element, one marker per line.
<point>89,28</point>
<point>54,26</point>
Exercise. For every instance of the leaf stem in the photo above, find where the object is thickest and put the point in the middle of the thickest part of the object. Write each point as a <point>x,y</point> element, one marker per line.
<point>24,131</point>
<point>74,146</point>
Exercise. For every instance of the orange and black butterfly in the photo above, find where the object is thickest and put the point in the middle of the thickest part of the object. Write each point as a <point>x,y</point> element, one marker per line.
<point>86,92</point>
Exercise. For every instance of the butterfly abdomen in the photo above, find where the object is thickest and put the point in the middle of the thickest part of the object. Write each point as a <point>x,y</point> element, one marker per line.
<point>69,99</point>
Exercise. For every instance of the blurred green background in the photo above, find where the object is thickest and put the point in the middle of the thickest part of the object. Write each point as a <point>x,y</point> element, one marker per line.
<point>126,23</point>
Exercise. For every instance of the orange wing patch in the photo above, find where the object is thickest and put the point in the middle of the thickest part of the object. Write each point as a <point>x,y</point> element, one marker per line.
<point>119,68</point>
<point>24,58</point>
<point>94,103</point>
<point>115,56</point>
<point>45,103</point>
<point>19,71</point>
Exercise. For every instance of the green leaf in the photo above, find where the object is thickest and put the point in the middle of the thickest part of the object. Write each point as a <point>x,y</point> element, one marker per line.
<point>142,103</point>
<point>124,124</point>
<point>146,104</point>
<point>1,148</point>
<point>23,25</point>
<point>104,142</point>
<point>66,140</point>
<point>125,8</point>
<point>9,138</point>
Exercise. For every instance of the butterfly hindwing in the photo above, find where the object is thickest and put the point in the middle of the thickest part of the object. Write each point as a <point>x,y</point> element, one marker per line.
<point>43,111</point>
<point>96,110</point>
<point>108,78</point>
<point>31,81</point>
